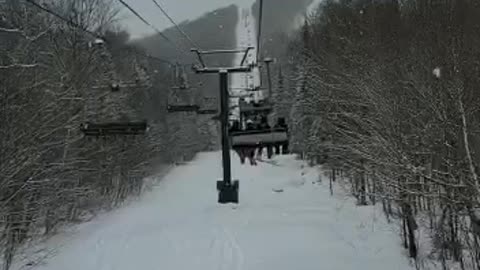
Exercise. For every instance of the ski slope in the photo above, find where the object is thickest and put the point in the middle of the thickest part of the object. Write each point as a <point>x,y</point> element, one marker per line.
<point>179,225</point>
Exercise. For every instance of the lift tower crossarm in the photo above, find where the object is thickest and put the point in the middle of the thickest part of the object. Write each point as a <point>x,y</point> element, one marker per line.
<point>207,70</point>
<point>246,50</point>
<point>200,53</point>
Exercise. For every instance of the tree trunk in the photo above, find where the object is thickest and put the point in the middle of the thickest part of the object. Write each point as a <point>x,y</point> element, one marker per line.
<point>466,144</point>
<point>332,179</point>
<point>363,187</point>
<point>373,191</point>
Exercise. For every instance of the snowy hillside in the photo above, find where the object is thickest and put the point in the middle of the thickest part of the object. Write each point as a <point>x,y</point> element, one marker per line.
<point>179,225</point>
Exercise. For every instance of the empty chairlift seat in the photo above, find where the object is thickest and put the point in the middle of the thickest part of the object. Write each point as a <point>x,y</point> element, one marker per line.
<point>114,128</point>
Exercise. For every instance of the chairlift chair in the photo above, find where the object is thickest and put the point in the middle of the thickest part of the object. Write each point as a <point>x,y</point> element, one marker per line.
<point>187,102</point>
<point>259,137</point>
<point>113,128</point>
<point>209,106</point>
<point>183,97</point>
<point>111,84</point>
<point>182,100</point>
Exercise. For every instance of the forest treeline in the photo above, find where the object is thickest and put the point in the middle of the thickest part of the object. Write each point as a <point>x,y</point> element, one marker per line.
<point>385,94</point>
<point>53,78</point>
<point>382,93</point>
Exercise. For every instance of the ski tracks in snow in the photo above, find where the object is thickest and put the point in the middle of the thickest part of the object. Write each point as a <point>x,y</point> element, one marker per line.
<point>181,226</point>
<point>226,249</point>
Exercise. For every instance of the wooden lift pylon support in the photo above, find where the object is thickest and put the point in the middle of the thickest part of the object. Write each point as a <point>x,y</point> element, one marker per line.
<point>227,189</point>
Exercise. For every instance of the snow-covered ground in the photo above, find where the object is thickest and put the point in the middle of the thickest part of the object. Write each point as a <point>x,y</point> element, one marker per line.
<point>179,225</point>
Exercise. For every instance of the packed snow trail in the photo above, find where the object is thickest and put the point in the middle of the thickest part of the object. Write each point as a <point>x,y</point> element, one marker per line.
<point>179,225</point>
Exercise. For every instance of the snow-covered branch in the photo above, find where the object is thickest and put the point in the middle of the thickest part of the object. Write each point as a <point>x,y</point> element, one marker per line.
<point>10,30</point>
<point>15,66</point>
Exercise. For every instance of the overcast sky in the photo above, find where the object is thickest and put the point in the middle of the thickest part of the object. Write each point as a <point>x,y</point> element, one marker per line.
<point>179,10</point>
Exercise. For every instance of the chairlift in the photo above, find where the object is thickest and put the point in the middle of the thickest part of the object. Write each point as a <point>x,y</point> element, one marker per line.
<point>181,97</point>
<point>113,128</point>
<point>184,98</point>
<point>187,99</point>
<point>209,106</point>
<point>258,134</point>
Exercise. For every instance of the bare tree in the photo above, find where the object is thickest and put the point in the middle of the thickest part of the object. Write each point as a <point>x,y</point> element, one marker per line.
<point>385,95</point>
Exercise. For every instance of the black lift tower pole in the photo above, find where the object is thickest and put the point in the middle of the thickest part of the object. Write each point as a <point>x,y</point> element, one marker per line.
<point>227,189</point>
<point>224,112</point>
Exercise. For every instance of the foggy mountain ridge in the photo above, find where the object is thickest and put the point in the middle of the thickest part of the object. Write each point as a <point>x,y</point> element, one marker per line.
<point>280,20</point>
<point>216,30</point>
<point>213,30</point>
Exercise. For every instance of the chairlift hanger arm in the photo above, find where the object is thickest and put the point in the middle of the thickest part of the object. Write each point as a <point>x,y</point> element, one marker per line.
<point>200,59</point>
<point>245,55</point>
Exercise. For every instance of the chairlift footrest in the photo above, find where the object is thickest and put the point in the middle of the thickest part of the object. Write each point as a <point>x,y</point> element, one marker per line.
<point>261,138</point>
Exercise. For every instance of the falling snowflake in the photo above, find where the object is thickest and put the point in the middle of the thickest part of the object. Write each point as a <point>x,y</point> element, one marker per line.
<point>437,72</point>
<point>99,41</point>
<point>361,11</point>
